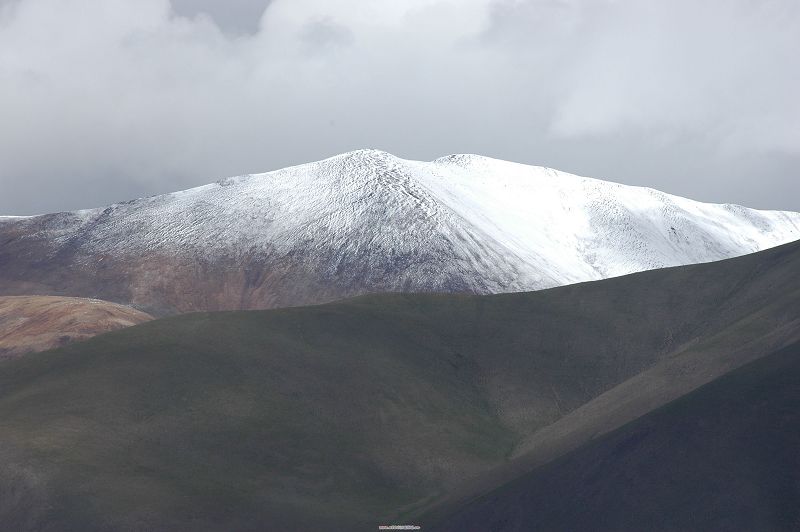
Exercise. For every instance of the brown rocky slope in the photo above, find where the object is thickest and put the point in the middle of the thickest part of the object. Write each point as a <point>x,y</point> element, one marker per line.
<point>36,323</point>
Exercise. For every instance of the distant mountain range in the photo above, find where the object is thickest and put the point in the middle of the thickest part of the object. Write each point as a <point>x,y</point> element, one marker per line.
<point>507,412</point>
<point>368,222</point>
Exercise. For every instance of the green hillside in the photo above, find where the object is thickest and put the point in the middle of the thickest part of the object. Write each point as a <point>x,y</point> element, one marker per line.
<point>346,415</point>
<point>724,457</point>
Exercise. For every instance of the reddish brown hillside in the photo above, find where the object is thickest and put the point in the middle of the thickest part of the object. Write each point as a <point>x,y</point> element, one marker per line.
<point>37,323</point>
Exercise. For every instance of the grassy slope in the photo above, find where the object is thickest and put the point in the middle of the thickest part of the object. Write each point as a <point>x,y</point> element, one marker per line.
<point>349,413</point>
<point>724,457</point>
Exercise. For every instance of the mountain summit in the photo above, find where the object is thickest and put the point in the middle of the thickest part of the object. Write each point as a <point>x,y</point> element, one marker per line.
<point>367,221</point>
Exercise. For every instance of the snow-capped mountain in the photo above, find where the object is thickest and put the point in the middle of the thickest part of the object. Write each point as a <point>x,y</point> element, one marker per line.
<point>367,221</point>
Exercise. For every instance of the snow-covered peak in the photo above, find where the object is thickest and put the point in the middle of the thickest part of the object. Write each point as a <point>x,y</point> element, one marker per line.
<point>371,221</point>
<point>364,154</point>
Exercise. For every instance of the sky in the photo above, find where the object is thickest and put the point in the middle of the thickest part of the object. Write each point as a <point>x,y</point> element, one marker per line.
<point>109,100</point>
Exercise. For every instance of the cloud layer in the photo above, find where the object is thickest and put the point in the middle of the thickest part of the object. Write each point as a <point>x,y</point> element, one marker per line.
<point>103,100</point>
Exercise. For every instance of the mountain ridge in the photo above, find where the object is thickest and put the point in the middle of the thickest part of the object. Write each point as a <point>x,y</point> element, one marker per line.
<point>365,222</point>
<point>722,457</point>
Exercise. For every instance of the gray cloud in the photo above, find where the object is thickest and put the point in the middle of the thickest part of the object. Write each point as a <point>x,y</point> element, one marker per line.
<point>106,100</point>
<point>321,34</point>
<point>234,16</point>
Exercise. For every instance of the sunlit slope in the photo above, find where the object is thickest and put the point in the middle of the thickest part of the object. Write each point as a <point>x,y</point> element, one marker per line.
<point>37,323</point>
<point>366,222</point>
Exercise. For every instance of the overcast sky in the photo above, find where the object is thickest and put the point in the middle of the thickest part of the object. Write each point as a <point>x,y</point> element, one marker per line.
<point>107,100</point>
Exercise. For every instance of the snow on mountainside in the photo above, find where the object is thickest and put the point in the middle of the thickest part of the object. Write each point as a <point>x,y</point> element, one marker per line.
<point>368,221</point>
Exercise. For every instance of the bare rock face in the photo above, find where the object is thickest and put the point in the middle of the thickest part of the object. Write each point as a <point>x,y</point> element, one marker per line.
<point>366,222</point>
<point>37,323</point>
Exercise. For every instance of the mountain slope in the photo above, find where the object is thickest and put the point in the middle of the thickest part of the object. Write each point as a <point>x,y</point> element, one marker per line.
<point>37,323</point>
<point>724,457</point>
<point>370,222</point>
<point>376,409</point>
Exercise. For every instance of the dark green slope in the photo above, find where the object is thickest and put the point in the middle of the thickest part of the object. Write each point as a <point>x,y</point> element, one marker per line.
<point>724,457</point>
<point>370,410</point>
<point>242,419</point>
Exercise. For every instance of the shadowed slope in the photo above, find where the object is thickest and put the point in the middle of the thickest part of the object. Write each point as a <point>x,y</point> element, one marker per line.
<point>373,409</point>
<point>724,457</point>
